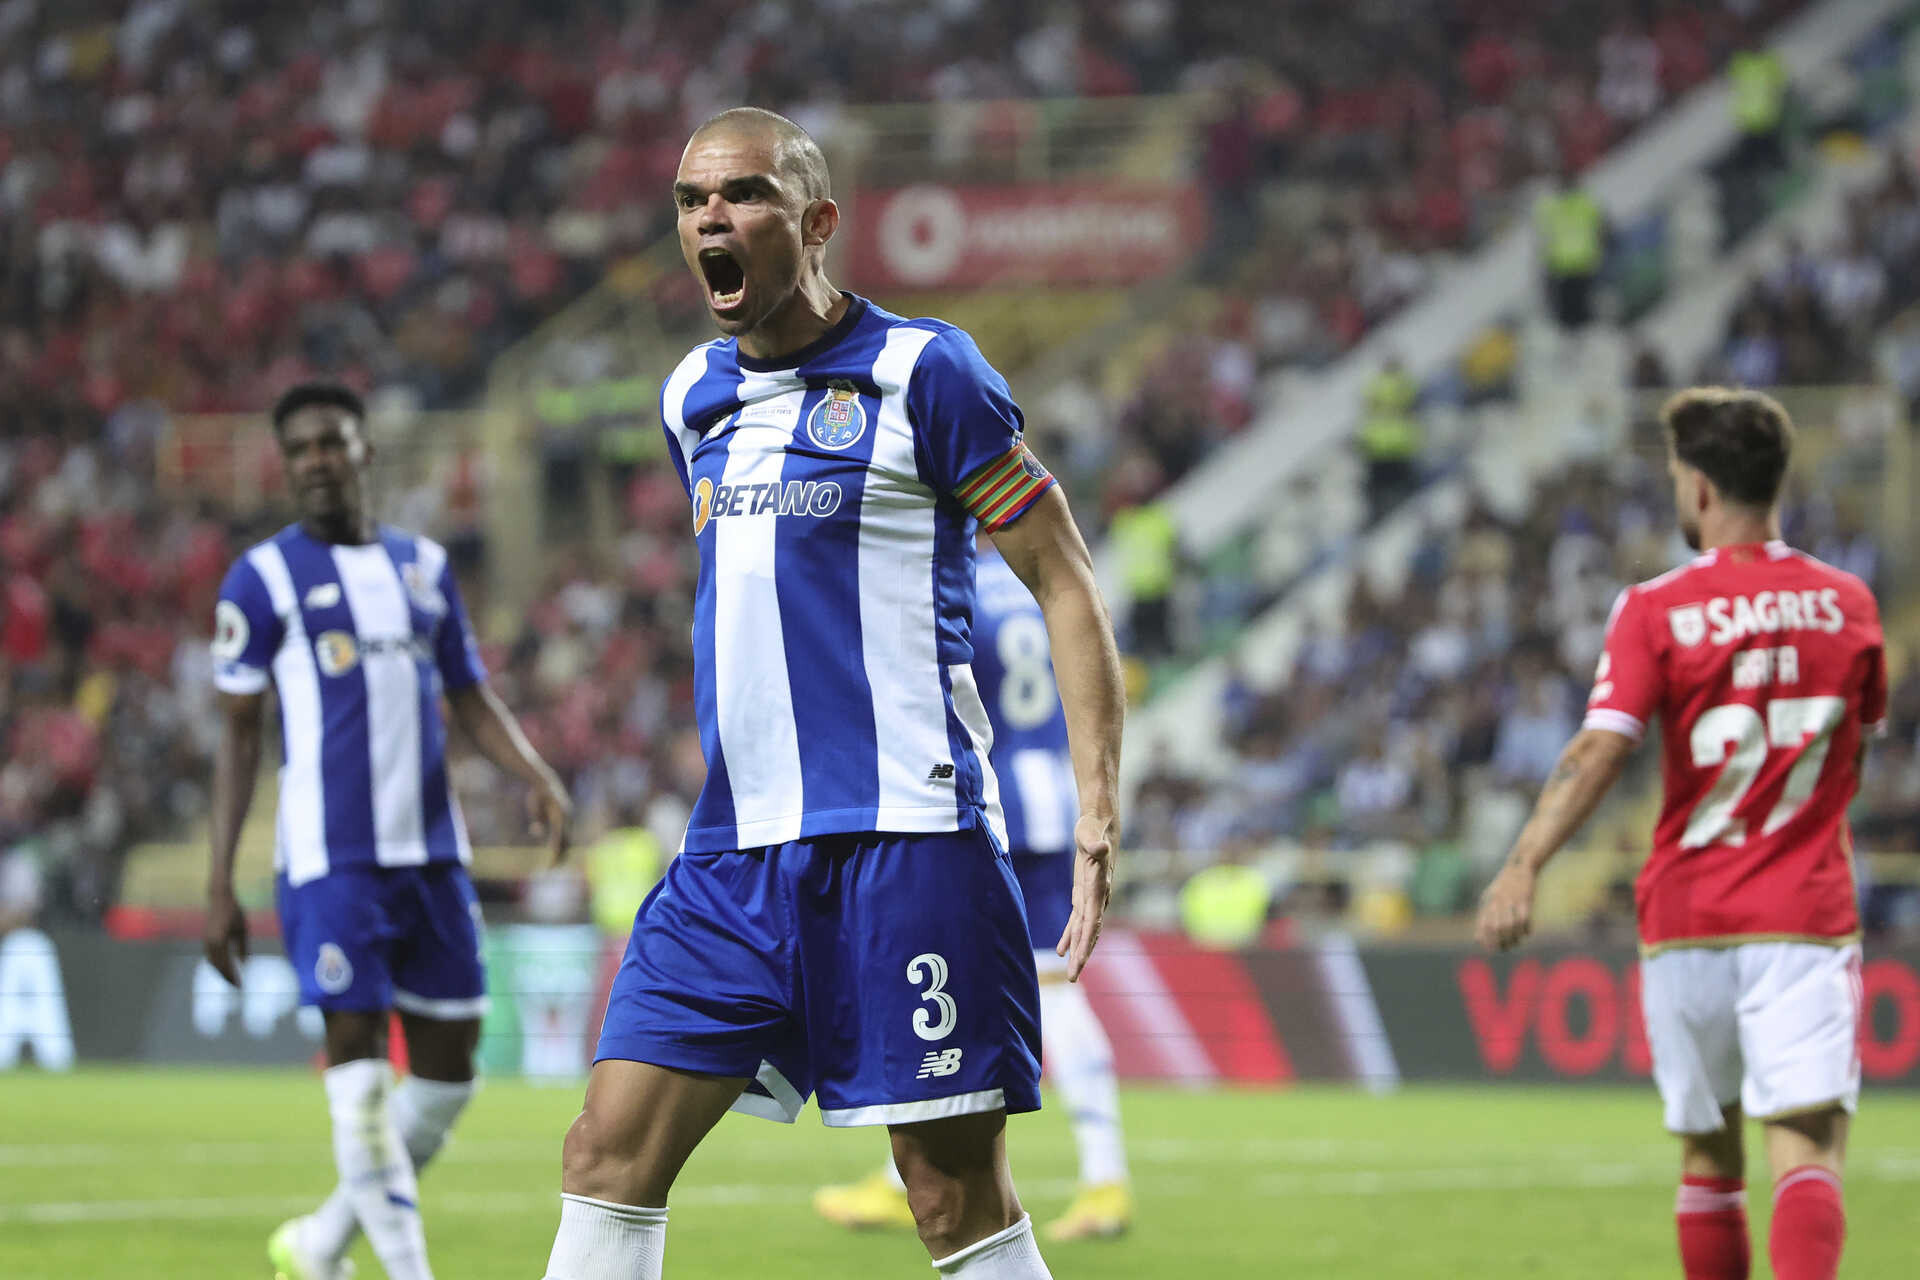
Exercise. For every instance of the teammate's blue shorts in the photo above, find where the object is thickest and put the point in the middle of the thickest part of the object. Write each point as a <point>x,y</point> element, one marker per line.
<point>365,939</point>
<point>1046,883</point>
<point>890,974</point>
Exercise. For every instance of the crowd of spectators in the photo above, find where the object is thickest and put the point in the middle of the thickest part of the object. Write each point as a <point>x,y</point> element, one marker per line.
<point>1345,155</point>
<point>201,202</point>
<point>1417,726</point>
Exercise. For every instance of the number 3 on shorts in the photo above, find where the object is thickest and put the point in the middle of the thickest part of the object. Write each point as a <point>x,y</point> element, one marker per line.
<point>931,968</point>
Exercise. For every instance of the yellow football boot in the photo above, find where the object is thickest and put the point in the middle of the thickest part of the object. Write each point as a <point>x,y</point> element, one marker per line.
<point>871,1204</point>
<point>1100,1212</point>
<point>283,1251</point>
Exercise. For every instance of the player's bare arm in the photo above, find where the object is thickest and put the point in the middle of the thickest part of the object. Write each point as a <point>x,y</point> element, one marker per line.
<point>1044,548</point>
<point>497,735</point>
<point>1587,769</point>
<point>236,767</point>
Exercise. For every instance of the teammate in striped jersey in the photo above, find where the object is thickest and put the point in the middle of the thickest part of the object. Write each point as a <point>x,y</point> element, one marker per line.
<point>843,918</point>
<point>359,629</point>
<point>1031,759</point>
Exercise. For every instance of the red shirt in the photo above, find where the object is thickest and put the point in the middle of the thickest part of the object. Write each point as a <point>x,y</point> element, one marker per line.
<point>1766,670</point>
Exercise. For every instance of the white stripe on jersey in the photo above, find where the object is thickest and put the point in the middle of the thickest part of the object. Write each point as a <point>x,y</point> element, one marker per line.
<point>432,558</point>
<point>300,826</point>
<point>379,607</point>
<point>753,697</point>
<point>973,714</point>
<point>898,630</point>
<point>673,400</point>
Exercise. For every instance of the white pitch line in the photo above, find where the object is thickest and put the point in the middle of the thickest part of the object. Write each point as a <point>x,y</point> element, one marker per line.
<point>65,1212</point>
<point>1898,1168</point>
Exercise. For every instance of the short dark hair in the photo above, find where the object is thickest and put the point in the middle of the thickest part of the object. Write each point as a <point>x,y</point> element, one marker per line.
<point>305,395</point>
<point>1740,440</point>
<point>795,153</point>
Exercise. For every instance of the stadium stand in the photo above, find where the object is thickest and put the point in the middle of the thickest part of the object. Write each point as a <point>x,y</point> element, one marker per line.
<point>403,195</point>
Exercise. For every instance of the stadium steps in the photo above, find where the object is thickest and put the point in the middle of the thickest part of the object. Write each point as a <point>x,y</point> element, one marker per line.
<point>1509,449</point>
<point>1233,487</point>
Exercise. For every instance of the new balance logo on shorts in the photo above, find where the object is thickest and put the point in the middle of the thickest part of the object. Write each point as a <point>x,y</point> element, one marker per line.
<point>941,1062</point>
<point>940,773</point>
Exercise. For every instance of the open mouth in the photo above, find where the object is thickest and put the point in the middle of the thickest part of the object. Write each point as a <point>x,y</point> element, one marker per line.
<point>726,279</point>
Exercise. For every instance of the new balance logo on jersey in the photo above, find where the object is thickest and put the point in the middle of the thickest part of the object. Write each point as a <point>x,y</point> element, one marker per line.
<point>941,1062</point>
<point>941,772</point>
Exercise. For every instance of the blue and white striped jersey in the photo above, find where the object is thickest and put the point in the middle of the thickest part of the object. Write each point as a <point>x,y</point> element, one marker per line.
<point>358,641</point>
<point>1014,668</point>
<point>836,494</point>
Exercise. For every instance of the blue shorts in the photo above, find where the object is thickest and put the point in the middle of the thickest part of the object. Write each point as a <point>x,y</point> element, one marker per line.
<point>888,973</point>
<point>1046,883</point>
<point>366,939</point>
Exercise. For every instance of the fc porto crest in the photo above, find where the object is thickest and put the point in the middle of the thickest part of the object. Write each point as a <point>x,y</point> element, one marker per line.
<point>839,420</point>
<point>332,971</point>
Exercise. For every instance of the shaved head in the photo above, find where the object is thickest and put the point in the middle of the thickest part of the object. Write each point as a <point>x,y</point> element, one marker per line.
<point>796,155</point>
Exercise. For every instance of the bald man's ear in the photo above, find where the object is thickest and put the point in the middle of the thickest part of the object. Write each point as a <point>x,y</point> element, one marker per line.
<point>820,221</point>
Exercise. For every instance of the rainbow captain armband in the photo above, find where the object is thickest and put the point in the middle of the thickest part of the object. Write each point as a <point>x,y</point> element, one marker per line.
<point>998,492</point>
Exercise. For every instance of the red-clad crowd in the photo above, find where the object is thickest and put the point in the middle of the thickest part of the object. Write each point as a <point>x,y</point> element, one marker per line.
<point>203,202</point>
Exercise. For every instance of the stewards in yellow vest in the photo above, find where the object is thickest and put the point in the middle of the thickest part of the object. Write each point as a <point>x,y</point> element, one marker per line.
<point>1225,906</point>
<point>1759,81</point>
<point>1391,437</point>
<point>1572,231</point>
<point>622,867</point>
<point>1148,542</point>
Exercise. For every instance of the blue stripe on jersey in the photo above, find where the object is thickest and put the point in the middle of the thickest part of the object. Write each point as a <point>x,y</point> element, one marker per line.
<point>953,534</point>
<point>437,829</point>
<point>714,806</point>
<point>717,392</point>
<point>819,599</point>
<point>346,759</point>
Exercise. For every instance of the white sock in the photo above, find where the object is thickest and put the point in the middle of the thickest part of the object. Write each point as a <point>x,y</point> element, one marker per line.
<point>1080,1060</point>
<point>599,1240</point>
<point>1005,1255</point>
<point>423,1111</point>
<point>374,1169</point>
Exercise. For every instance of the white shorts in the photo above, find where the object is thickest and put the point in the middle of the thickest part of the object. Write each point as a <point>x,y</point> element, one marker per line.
<point>1770,1025</point>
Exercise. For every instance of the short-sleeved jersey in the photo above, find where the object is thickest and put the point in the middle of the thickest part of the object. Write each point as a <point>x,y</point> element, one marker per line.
<point>835,498</point>
<point>1013,665</point>
<point>358,641</point>
<point>1766,669</point>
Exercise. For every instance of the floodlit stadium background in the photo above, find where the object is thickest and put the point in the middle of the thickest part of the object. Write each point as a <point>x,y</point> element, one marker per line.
<point>1276,285</point>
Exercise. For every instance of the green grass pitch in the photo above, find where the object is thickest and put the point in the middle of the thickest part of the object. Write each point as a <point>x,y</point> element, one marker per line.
<point>173,1174</point>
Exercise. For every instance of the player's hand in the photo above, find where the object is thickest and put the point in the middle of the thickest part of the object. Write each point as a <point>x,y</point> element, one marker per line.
<point>550,817</point>
<point>226,937</point>
<point>1093,838</point>
<point>1506,909</point>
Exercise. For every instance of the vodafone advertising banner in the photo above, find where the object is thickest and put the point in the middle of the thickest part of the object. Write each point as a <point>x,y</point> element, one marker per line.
<point>941,237</point>
<point>1322,1010</point>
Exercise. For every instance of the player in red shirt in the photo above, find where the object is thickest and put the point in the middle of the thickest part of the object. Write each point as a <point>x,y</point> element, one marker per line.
<point>1766,670</point>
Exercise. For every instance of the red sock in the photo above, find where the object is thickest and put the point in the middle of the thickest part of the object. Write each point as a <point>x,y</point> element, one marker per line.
<point>1712,1213</point>
<point>1809,1224</point>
